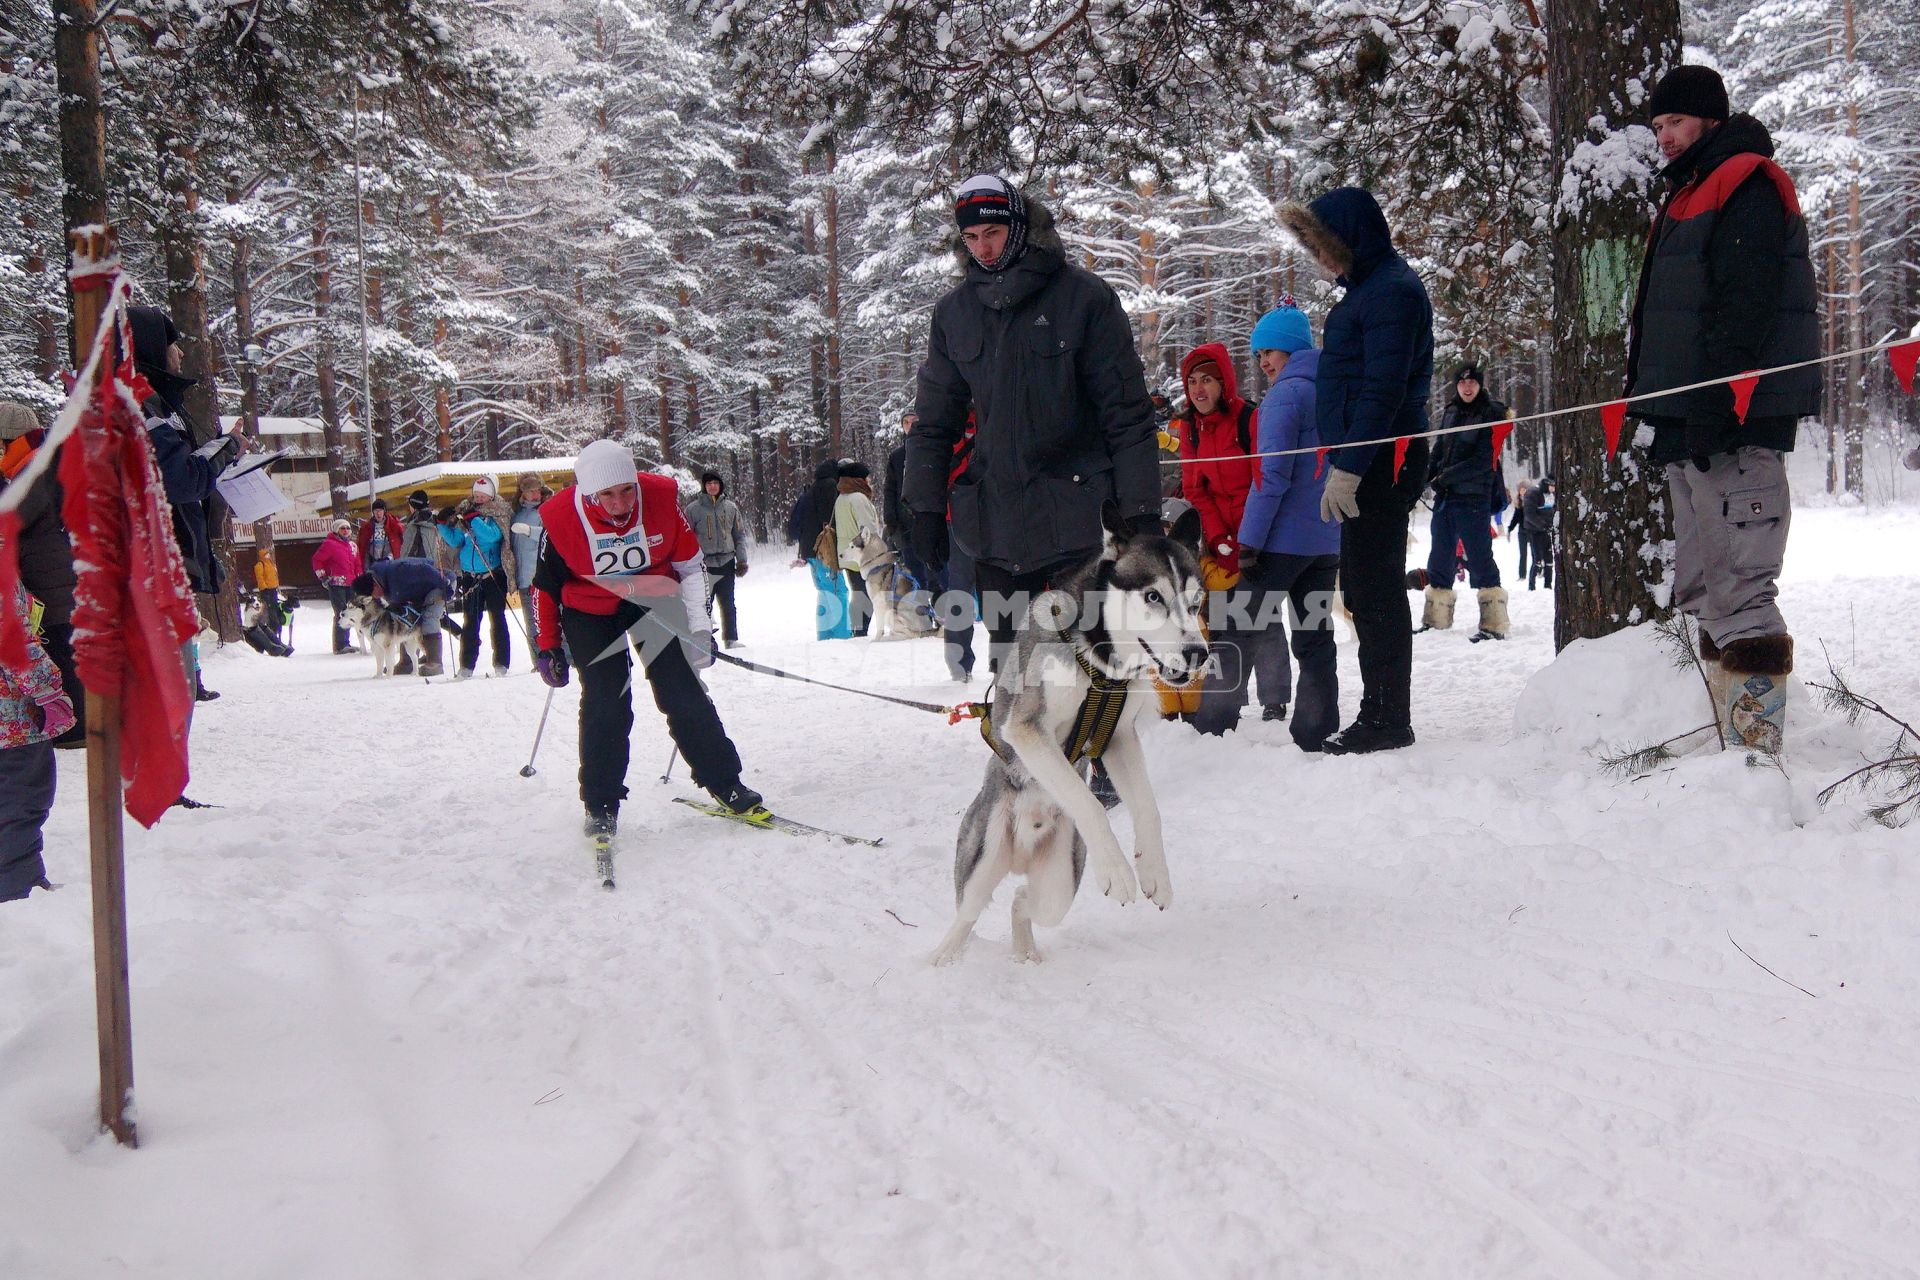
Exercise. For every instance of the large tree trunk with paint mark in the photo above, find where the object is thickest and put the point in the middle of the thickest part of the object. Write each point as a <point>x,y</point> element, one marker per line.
<point>1615,528</point>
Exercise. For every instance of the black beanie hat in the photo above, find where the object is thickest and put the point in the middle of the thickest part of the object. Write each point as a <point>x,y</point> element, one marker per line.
<point>418,499</point>
<point>1469,370</point>
<point>1690,91</point>
<point>984,198</point>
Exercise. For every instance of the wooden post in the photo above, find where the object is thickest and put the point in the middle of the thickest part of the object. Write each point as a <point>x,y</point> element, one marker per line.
<point>107,843</point>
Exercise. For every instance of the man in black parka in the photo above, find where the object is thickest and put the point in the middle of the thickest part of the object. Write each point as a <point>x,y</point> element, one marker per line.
<point>1041,352</point>
<point>1727,287</point>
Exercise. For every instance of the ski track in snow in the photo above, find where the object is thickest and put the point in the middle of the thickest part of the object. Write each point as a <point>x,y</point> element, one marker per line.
<point>1464,1010</point>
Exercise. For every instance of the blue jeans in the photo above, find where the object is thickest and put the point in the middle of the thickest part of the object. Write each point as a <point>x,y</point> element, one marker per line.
<point>1468,523</point>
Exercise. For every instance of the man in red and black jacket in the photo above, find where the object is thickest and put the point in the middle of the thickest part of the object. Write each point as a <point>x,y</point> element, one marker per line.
<point>621,566</point>
<point>1727,287</point>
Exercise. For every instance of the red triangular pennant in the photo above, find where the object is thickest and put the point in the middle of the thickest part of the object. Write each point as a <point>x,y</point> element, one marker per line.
<point>1743,394</point>
<point>1612,418</point>
<point>1400,447</point>
<point>1320,462</point>
<point>1501,430</point>
<point>1905,358</point>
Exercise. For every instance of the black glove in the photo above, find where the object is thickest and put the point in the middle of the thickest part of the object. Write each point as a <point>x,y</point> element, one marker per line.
<point>1706,436</point>
<point>1146,524</point>
<point>446,516</point>
<point>930,538</point>
<point>1249,559</point>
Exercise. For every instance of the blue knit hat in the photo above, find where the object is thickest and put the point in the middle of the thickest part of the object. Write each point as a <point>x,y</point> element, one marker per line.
<point>1285,328</point>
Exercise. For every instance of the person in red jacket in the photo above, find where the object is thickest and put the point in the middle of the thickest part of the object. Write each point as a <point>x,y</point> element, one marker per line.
<point>1216,475</point>
<point>380,535</point>
<point>336,562</point>
<point>622,567</point>
<point>1215,436</point>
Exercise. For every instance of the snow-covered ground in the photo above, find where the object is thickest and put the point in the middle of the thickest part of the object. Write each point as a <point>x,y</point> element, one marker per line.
<point>1471,1009</point>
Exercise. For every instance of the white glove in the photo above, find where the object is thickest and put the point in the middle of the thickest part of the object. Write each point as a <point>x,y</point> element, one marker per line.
<point>1337,501</point>
<point>524,530</point>
<point>700,651</point>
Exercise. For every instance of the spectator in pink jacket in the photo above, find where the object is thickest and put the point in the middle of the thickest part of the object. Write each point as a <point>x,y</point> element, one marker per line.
<point>33,712</point>
<point>337,564</point>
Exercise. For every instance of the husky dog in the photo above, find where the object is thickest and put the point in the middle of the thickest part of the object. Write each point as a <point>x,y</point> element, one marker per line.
<point>897,611</point>
<point>385,633</point>
<point>1131,613</point>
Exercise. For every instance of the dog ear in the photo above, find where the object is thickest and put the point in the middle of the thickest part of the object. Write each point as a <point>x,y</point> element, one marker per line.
<point>1187,530</point>
<point>1111,520</point>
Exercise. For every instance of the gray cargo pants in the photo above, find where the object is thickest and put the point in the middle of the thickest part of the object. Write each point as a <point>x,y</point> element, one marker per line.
<point>1730,536</point>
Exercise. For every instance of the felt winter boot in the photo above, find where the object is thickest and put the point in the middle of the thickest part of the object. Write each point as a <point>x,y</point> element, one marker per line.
<point>430,656</point>
<point>1493,613</point>
<point>1753,696</point>
<point>1438,613</point>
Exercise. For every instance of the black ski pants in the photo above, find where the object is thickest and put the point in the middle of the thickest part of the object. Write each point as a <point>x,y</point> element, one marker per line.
<point>601,649</point>
<point>1541,541</point>
<point>484,593</point>
<point>1373,580</point>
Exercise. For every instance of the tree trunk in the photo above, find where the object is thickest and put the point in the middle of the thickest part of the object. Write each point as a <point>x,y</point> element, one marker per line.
<point>377,397</point>
<point>1856,326</point>
<point>246,370</point>
<point>83,138</point>
<point>1615,529</point>
<point>323,370</point>
<point>835,421</point>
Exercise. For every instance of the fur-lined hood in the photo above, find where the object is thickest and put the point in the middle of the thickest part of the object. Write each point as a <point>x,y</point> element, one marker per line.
<point>1344,228</point>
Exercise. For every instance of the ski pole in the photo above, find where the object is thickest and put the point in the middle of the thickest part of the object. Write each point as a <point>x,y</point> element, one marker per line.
<point>675,755</point>
<point>529,771</point>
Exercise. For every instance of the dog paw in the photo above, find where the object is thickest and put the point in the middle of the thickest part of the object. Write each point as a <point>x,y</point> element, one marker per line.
<point>1155,883</point>
<point>1027,954</point>
<point>947,952</point>
<point>1116,881</point>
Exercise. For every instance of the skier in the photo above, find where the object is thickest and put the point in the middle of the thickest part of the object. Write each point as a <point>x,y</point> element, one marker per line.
<point>1372,385</point>
<point>622,566</point>
<point>1727,286</point>
<point>1466,480</point>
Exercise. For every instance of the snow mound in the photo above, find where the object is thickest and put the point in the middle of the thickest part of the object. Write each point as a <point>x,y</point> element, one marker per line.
<point>1622,690</point>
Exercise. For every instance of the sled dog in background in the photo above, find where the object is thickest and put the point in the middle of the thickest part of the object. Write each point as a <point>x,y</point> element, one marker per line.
<point>1129,614</point>
<point>899,611</point>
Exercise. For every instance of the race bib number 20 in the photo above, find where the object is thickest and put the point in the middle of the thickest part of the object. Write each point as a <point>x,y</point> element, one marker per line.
<point>620,554</point>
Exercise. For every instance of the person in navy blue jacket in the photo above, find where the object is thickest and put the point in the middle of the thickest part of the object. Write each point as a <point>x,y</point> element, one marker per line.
<point>412,584</point>
<point>1371,390</point>
<point>1286,549</point>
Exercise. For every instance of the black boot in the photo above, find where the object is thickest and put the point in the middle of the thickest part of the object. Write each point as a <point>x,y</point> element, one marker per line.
<point>1361,738</point>
<point>738,797</point>
<point>601,822</point>
<point>200,691</point>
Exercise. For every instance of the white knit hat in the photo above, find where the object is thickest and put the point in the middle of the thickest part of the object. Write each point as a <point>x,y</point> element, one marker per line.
<point>484,484</point>
<point>604,465</point>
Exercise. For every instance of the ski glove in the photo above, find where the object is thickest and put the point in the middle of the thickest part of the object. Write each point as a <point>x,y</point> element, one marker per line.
<point>930,538</point>
<point>700,650</point>
<point>552,666</point>
<point>1337,501</point>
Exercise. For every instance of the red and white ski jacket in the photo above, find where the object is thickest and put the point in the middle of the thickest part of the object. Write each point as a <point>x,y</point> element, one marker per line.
<point>592,562</point>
